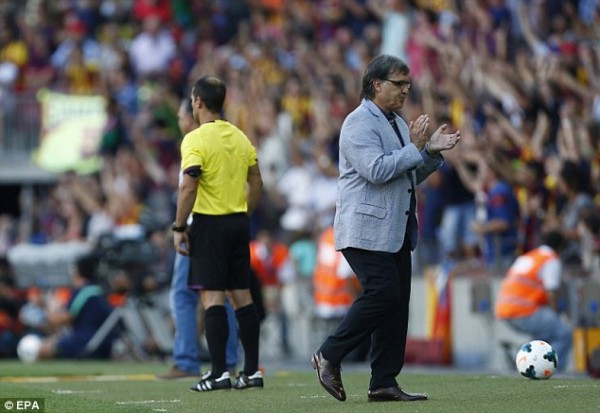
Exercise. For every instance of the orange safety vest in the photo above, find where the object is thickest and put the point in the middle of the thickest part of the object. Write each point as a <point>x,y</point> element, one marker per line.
<point>522,292</point>
<point>266,270</point>
<point>330,291</point>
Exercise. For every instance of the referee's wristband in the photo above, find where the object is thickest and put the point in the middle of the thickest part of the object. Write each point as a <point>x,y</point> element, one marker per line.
<point>176,228</point>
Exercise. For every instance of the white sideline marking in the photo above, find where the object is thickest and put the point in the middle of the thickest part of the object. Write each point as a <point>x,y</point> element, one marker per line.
<point>130,402</point>
<point>55,379</point>
<point>64,391</point>
<point>570,386</point>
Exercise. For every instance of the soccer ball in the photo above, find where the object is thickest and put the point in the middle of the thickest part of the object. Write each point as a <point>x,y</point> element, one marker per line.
<point>28,348</point>
<point>536,360</point>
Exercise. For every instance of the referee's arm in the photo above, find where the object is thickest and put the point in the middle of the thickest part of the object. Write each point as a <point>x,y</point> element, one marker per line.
<point>185,202</point>
<point>254,187</point>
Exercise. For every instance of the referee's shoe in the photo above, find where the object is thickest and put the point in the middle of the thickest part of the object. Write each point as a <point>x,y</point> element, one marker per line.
<point>242,381</point>
<point>210,383</point>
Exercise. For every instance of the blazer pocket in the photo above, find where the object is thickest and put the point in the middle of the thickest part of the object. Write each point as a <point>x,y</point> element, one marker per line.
<point>372,210</point>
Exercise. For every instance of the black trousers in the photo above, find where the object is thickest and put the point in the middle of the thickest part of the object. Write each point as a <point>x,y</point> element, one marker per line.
<point>381,312</point>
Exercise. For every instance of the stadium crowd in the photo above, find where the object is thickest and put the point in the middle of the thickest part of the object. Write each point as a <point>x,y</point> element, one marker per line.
<point>519,79</point>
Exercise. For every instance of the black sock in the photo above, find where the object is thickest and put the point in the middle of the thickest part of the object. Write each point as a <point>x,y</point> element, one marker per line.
<point>249,332</point>
<point>217,332</point>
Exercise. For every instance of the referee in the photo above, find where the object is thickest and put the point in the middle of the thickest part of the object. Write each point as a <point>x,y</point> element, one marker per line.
<point>221,186</point>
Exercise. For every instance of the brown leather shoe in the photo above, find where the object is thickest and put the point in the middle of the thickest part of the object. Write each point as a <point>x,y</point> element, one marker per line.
<point>394,394</point>
<point>175,374</point>
<point>329,376</point>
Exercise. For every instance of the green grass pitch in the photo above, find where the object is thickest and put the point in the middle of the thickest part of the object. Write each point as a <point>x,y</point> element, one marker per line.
<point>129,387</point>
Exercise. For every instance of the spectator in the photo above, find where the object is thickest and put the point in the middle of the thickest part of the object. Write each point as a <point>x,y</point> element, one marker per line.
<point>573,185</point>
<point>499,228</point>
<point>13,51</point>
<point>589,233</point>
<point>152,49</point>
<point>457,239</point>
<point>296,186</point>
<point>395,25</point>
<point>39,71</point>
<point>112,48</point>
<point>76,38</point>
<point>121,86</point>
<point>78,77</point>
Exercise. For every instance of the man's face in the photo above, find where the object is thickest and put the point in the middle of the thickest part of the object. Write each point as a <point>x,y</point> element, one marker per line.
<point>391,92</point>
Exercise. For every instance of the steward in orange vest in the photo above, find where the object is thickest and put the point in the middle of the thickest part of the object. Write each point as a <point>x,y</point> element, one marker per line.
<point>335,286</point>
<point>527,297</point>
<point>532,280</point>
<point>267,258</point>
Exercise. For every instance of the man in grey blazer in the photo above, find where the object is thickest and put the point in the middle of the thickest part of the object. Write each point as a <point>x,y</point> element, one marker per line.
<point>382,159</point>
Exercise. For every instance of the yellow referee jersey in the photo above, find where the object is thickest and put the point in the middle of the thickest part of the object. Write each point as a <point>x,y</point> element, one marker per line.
<point>224,154</point>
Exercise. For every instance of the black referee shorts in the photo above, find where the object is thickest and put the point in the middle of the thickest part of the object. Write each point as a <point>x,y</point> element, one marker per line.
<point>219,252</point>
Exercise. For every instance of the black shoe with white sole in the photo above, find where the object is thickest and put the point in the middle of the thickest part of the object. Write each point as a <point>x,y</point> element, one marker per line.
<point>242,381</point>
<point>210,383</point>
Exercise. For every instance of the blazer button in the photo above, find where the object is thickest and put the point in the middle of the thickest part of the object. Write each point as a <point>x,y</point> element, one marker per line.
<point>410,190</point>
<point>407,212</point>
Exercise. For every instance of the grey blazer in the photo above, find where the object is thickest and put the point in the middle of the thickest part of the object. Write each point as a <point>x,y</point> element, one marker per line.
<point>374,190</point>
